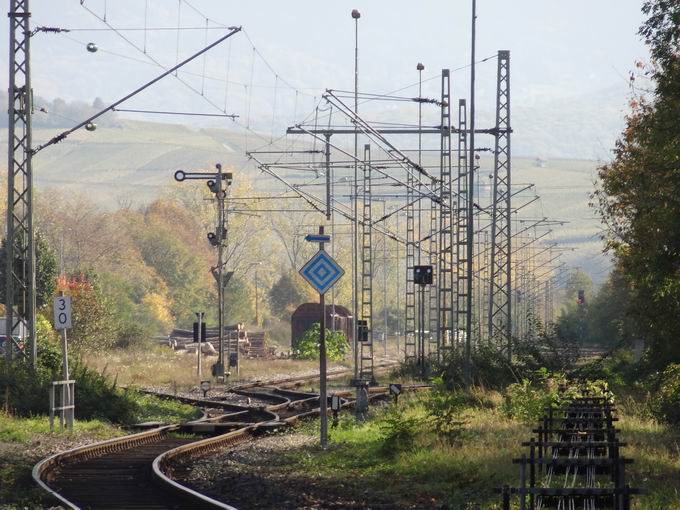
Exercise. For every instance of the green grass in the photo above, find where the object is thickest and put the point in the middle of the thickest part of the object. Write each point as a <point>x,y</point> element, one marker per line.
<point>26,430</point>
<point>430,473</point>
<point>655,449</point>
<point>167,411</point>
<point>24,441</point>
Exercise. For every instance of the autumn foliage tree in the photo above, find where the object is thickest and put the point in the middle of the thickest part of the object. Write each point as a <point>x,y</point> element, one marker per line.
<point>94,325</point>
<point>639,196</point>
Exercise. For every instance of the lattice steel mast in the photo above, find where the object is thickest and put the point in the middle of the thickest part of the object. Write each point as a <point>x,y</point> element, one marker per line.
<point>410,324</point>
<point>446,222</point>
<point>500,286</point>
<point>462,282</point>
<point>20,248</point>
<point>366,347</point>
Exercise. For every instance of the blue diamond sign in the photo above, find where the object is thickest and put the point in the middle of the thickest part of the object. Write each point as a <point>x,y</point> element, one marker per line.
<point>321,271</point>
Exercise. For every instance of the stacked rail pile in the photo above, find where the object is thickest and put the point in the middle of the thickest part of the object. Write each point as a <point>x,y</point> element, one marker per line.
<point>576,461</point>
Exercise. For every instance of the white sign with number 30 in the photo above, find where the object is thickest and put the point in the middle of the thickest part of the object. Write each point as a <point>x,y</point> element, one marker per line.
<point>62,312</point>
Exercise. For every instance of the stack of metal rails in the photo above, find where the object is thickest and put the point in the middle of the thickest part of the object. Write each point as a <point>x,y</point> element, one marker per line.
<point>576,461</point>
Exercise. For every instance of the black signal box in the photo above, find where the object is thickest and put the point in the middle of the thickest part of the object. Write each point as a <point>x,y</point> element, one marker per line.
<point>422,275</point>
<point>362,330</point>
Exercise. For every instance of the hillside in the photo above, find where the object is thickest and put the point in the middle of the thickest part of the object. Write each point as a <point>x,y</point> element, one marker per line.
<point>134,162</point>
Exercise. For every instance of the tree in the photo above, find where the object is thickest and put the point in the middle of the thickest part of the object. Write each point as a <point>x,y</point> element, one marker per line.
<point>45,270</point>
<point>94,326</point>
<point>639,193</point>
<point>288,293</point>
<point>577,281</point>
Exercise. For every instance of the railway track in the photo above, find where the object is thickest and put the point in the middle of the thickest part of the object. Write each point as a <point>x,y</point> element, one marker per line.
<point>138,471</point>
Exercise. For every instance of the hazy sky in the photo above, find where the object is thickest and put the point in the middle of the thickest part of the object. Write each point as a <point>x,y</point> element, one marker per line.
<point>570,59</point>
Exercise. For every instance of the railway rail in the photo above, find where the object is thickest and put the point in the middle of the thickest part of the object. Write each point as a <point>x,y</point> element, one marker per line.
<point>139,471</point>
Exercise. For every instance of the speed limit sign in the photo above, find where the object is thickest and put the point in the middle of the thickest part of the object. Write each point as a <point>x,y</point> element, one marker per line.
<point>62,312</point>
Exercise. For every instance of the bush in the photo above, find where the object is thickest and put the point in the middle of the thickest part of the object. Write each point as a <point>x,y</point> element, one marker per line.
<point>399,430</point>
<point>444,410</point>
<point>665,404</point>
<point>528,399</point>
<point>134,336</point>
<point>25,391</point>
<point>308,346</point>
<point>490,368</point>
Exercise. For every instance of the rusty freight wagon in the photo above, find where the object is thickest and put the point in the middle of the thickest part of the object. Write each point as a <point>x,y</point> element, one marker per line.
<point>338,318</point>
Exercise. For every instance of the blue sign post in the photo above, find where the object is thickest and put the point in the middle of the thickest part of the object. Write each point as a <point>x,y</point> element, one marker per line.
<point>322,272</point>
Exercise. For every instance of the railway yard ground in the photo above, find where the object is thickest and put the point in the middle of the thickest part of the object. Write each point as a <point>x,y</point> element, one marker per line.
<point>160,367</point>
<point>398,458</point>
<point>382,465</point>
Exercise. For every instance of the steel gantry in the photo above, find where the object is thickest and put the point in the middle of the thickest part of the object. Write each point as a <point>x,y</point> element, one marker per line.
<point>20,247</point>
<point>445,317</point>
<point>365,372</point>
<point>500,281</point>
<point>462,283</point>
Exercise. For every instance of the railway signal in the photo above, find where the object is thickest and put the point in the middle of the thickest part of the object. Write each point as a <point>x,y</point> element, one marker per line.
<point>219,183</point>
<point>205,388</point>
<point>322,272</point>
<point>335,408</point>
<point>395,391</point>
<point>199,338</point>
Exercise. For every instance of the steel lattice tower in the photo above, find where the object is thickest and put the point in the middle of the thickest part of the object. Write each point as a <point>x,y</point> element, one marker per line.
<point>20,248</point>
<point>366,349</point>
<point>446,220</point>
<point>462,283</point>
<point>500,286</point>
<point>410,341</point>
<point>433,294</point>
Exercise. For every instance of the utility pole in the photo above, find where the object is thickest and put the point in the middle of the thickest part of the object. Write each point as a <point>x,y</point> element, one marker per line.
<point>470,205</point>
<point>355,224</point>
<point>20,247</point>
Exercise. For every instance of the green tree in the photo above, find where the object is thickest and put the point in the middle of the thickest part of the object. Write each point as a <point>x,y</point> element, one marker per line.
<point>307,347</point>
<point>46,271</point>
<point>286,294</point>
<point>578,280</point>
<point>639,194</point>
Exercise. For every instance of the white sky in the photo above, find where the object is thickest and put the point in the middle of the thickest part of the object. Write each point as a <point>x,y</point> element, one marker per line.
<point>570,58</point>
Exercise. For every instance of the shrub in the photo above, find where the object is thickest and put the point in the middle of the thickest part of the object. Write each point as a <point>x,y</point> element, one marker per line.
<point>528,399</point>
<point>399,430</point>
<point>665,403</point>
<point>308,346</point>
<point>444,410</point>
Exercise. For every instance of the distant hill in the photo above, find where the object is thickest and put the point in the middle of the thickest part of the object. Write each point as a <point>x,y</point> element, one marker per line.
<point>136,161</point>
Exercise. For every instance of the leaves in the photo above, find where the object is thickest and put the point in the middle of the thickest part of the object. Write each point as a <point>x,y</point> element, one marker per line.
<point>307,347</point>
